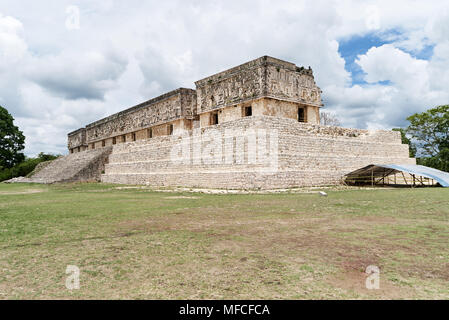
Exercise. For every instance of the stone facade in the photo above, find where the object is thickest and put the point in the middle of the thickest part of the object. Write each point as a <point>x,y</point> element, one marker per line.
<point>263,77</point>
<point>266,85</point>
<point>270,86</point>
<point>169,113</point>
<point>77,140</point>
<point>252,126</point>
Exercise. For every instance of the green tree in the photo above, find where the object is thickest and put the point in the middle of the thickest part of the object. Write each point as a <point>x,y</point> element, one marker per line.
<point>12,141</point>
<point>46,156</point>
<point>26,167</point>
<point>430,131</point>
<point>405,140</point>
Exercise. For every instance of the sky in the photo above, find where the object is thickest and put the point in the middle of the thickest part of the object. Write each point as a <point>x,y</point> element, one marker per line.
<point>64,64</point>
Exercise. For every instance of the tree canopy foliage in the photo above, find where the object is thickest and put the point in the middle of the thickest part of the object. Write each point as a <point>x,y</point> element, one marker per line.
<point>26,167</point>
<point>12,141</point>
<point>406,140</point>
<point>13,162</point>
<point>429,132</point>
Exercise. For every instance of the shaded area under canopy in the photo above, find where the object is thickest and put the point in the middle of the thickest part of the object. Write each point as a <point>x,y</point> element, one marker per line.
<point>396,174</point>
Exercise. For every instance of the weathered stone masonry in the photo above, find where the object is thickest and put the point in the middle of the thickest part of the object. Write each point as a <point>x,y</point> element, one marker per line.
<point>265,86</point>
<point>166,114</point>
<point>269,86</point>
<point>307,155</point>
<point>265,95</point>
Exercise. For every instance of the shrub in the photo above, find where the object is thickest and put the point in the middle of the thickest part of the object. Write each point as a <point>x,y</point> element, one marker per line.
<point>25,167</point>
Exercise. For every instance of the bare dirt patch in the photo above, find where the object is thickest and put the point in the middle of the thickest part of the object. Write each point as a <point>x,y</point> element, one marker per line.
<point>181,197</point>
<point>28,191</point>
<point>355,281</point>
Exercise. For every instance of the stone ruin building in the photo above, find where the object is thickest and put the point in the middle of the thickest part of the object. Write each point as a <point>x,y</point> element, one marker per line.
<point>254,126</point>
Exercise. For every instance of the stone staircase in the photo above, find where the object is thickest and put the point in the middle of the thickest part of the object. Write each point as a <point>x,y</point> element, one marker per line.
<point>81,166</point>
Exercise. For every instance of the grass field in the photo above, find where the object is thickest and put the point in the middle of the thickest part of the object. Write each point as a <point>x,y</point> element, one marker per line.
<point>141,244</point>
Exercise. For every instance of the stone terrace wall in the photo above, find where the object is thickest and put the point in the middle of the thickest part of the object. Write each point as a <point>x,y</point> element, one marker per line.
<point>262,77</point>
<point>306,155</point>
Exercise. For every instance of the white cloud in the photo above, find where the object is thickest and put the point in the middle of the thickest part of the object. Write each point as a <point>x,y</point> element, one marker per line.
<point>77,75</point>
<point>384,106</point>
<point>13,46</point>
<point>387,63</point>
<point>55,80</point>
<point>13,49</point>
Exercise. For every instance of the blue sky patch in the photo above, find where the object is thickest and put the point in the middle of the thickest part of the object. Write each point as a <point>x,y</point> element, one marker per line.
<point>350,48</point>
<point>425,54</point>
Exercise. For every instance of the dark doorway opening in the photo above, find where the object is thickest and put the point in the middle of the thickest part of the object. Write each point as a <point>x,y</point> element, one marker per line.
<point>214,118</point>
<point>301,115</point>
<point>248,111</point>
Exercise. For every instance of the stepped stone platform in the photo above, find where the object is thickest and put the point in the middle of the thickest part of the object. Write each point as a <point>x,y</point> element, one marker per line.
<point>293,154</point>
<point>258,152</point>
<point>253,126</point>
<point>83,166</point>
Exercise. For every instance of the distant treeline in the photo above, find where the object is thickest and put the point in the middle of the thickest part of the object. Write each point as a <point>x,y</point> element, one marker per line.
<point>24,168</point>
<point>428,137</point>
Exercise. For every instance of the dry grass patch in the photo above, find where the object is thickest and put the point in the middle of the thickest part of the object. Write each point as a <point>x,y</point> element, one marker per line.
<point>139,244</point>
